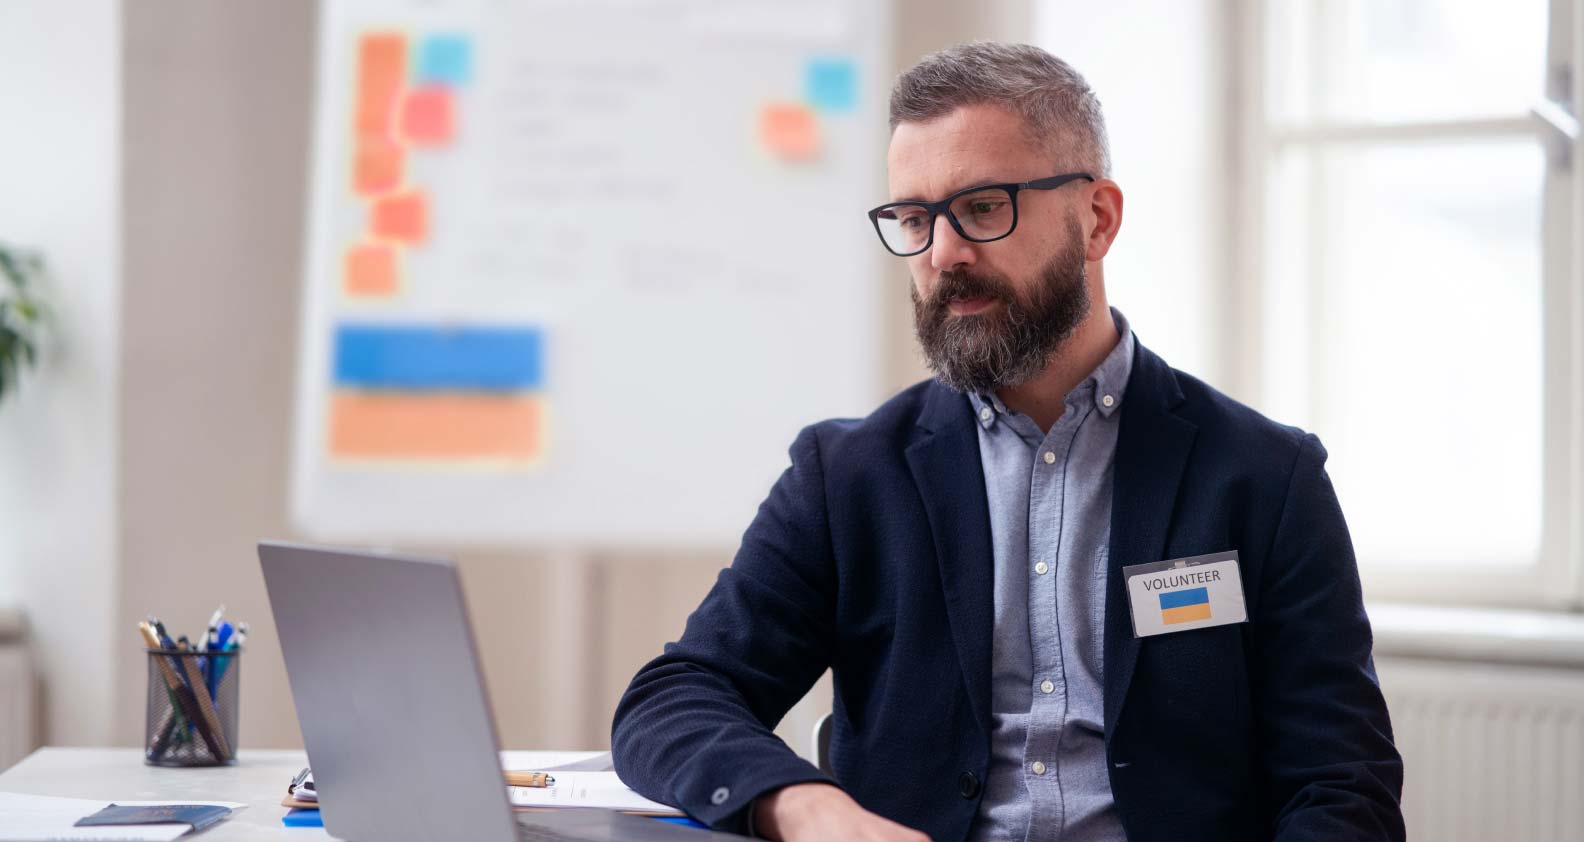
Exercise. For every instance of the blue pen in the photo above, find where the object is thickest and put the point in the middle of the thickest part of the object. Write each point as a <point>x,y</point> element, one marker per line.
<point>222,643</point>
<point>237,638</point>
<point>208,643</point>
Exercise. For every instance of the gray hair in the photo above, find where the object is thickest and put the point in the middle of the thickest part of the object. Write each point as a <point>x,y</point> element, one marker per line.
<point>1053,99</point>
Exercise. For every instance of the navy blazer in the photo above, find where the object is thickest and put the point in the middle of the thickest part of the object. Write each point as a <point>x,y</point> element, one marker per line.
<point>872,557</point>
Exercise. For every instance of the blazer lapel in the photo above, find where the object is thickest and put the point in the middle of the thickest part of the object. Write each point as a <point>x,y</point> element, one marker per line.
<point>1151,453</point>
<point>946,467</point>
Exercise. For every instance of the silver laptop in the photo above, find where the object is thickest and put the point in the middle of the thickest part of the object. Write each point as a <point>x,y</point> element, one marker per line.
<point>392,705</point>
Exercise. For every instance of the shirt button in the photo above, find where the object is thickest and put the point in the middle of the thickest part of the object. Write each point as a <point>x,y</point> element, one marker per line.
<point>1108,400</point>
<point>1047,686</point>
<point>1038,767</point>
<point>1042,568</point>
<point>984,414</point>
<point>1050,458</point>
<point>719,796</point>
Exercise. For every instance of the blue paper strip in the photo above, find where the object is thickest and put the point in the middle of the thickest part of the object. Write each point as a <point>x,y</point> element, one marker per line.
<point>420,358</point>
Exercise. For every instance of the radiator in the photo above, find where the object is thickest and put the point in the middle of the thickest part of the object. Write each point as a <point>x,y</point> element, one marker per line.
<point>17,694</point>
<point>1491,751</point>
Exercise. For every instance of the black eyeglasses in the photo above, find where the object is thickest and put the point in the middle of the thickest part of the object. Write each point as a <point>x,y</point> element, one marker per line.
<point>978,214</point>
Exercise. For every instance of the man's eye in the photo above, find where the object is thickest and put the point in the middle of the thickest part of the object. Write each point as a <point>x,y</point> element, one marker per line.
<point>985,207</point>
<point>913,220</point>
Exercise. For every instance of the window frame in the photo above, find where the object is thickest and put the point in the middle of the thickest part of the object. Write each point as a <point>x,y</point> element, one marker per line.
<point>1556,579</point>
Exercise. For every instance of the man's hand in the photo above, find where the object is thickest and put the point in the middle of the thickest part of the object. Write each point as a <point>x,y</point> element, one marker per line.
<point>821,812</point>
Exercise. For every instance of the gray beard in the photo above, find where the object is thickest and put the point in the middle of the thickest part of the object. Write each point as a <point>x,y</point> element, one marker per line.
<point>1007,347</point>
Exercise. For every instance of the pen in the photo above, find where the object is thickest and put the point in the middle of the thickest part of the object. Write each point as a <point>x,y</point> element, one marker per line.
<point>165,641</point>
<point>533,779</point>
<point>217,666</point>
<point>233,642</point>
<point>210,641</point>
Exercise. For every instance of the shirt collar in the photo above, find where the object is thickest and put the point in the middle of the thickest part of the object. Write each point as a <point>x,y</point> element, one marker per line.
<point>1105,385</point>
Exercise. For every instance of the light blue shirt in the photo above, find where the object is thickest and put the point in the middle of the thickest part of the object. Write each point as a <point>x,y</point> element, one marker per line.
<point>1050,528</point>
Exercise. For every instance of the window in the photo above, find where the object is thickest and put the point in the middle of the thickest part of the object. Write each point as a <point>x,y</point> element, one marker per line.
<point>1407,241</point>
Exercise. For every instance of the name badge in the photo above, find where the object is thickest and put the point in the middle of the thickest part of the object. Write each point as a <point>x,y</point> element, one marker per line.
<point>1185,593</point>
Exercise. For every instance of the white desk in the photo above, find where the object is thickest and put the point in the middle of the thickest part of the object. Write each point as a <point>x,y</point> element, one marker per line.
<point>258,779</point>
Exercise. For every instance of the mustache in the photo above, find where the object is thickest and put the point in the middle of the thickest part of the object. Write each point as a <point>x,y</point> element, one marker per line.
<point>959,284</point>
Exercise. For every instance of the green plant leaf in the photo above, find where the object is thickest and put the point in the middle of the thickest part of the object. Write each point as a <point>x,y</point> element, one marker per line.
<point>12,271</point>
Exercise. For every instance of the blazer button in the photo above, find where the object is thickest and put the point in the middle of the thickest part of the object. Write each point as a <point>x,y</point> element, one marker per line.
<point>968,785</point>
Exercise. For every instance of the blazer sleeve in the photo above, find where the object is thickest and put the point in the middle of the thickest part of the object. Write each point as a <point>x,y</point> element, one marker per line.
<point>1331,769</point>
<point>694,727</point>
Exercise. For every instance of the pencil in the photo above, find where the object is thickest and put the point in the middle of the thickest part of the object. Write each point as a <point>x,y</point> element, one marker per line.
<point>533,779</point>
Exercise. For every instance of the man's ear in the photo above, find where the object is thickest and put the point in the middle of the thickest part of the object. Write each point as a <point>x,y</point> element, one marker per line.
<point>1105,210</point>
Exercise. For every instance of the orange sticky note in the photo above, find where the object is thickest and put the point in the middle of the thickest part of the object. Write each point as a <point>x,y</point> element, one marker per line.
<point>428,116</point>
<point>789,131</point>
<point>436,426</point>
<point>381,67</point>
<point>370,271</point>
<point>403,217</point>
<point>377,168</point>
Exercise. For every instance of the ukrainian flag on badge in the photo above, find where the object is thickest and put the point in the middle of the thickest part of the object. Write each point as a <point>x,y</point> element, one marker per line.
<point>1185,606</point>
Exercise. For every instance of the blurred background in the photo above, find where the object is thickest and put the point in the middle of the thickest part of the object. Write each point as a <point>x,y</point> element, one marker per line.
<point>1361,217</point>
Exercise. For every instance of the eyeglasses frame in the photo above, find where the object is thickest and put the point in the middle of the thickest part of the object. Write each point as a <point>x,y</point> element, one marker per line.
<point>943,206</point>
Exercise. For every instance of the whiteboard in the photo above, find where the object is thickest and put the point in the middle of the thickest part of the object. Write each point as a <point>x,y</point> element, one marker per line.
<point>577,272</point>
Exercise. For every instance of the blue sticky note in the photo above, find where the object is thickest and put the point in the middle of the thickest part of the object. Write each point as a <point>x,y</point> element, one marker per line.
<point>832,84</point>
<point>445,60</point>
<point>302,817</point>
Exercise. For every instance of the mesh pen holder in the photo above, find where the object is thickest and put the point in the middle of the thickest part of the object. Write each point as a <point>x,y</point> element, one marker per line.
<point>192,708</point>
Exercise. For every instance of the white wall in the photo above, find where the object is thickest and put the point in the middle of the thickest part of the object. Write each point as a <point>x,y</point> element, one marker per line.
<point>59,193</point>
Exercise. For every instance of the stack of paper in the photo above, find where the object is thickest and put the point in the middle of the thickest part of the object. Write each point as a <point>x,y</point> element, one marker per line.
<point>589,790</point>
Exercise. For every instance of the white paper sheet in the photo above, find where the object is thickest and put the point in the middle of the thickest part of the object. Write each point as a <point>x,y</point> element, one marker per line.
<point>600,790</point>
<point>552,761</point>
<point>43,818</point>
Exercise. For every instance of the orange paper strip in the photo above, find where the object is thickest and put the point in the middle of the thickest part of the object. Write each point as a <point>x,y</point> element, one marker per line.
<point>428,117</point>
<point>378,167</point>
<point>789,131</point>
<point>371,271</point>
<point>436,426</point>
<point>382,66</point>
<point>403,217</point>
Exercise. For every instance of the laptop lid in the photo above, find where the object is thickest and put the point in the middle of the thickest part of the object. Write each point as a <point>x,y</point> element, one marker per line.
<point>389,694</point>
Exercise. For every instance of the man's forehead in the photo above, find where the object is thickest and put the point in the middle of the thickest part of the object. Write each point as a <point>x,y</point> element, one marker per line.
<point>969,146</point>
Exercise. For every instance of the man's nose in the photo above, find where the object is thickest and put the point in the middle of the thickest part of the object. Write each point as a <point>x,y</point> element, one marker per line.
<point>949,250</point>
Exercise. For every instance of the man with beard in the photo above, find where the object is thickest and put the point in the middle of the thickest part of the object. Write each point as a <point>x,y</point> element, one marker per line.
<point>976,561</point>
